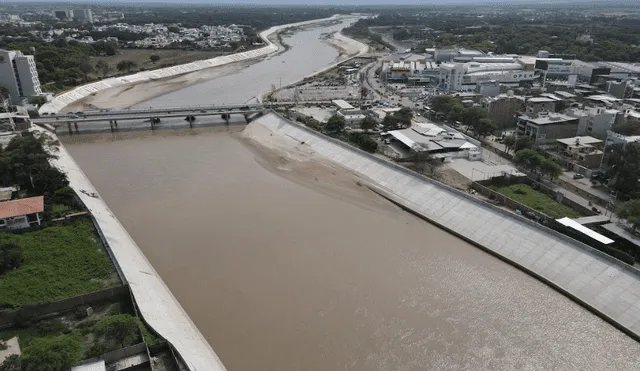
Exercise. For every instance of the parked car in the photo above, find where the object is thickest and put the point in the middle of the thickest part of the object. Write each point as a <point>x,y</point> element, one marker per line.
<point>578,176</point>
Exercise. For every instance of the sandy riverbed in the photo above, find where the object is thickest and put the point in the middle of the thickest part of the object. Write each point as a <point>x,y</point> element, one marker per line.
<point>126,96</point>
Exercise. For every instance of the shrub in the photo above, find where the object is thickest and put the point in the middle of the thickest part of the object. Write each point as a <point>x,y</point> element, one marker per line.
<point>52,353</point>
<point>10,257</point>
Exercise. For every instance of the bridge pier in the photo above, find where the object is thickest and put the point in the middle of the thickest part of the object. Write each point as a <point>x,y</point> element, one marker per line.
<point>75,124</point>
<point>69,127</point>
<point>226,117</point>
<point>115,124</point>
<point>153,125</point>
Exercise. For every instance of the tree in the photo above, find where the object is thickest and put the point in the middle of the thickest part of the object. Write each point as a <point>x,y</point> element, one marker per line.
<point>509,142</point>
<point>10,257</point>
<point>335,124</point>
<point>103,67</point>
<point>390,122</point>
<point>631,212</point>
<point>404,115</point>
<point>154,58</point>
<point>11,363</point>
<point>624,170</point>
<point>364,92</point>
<point>86,68</point>
<point>550,168</point>
<point>52,353</point>
<point>484,127</point>
<point>121,328</point>
<point>126,65</point>
<point>523,142</point>
<point>528,159</point>
<point>631,126</point>
<point>472,115</point>
<point>367,124</point>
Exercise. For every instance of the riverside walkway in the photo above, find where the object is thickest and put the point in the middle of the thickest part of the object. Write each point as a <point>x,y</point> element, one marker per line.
<point>604,285</point>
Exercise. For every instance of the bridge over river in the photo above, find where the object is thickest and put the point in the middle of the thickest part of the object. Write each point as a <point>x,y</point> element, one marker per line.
<point>153,118</point>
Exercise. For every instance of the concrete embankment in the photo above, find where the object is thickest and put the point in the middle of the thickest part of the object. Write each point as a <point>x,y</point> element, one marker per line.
<point>157,304</point>
<point>602,284</point>
<point>81,92</point>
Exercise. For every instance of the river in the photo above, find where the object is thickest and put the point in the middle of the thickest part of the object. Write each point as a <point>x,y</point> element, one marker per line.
<point>293,265</point>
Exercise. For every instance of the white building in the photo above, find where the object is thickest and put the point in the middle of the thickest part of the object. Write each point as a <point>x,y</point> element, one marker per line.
<point>465,76</point>
<point>445,55</point>
<point>19,75</point>
<point>593,120</point>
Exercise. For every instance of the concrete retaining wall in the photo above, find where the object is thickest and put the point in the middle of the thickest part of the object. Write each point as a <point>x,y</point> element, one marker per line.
<point>33,312</point>
<point>606,286</point>
<point>81,92</point>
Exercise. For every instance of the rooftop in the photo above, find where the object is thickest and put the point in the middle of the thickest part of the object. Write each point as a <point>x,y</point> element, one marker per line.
<point>342,104</point>
<point>540,100</point>
<point>568,222</point>
<point>583,141</point>
<point>426,137</point>
<point>546,119</point>
<point>25,206</point>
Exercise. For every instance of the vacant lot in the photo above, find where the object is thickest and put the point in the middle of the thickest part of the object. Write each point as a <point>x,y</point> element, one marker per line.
<point>168,57</point>
<point>59,262</point>
<point>536,200</point>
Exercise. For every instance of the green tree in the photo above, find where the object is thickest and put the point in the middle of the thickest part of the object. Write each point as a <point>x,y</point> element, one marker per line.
<point>443,103</point>
<point>52,353</point>
<point>550,168</point>
<point>472,115</point>
<point>624,170</point>
<point>11,363</point>
<point>404,115</point>
<point>630,126</point>
<point>390,122</point>
<point>103,67</point>
<point>484,127</point>
<point>86,68</point>
<point>364,92</point>
<point>120,328</point>
<point>10,257</point>
<point>631,212</point>
<point>523,142</point>
<point>126,65</point>
<point>154,58</point>
<point>367,124</point>
<point>529,159</point>
<point>335,124</point>
<point>509,142</point>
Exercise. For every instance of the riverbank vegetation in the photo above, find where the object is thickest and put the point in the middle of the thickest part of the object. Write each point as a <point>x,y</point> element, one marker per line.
<point>59,262</point>
<point>60,343</point>
<point>536,200</point>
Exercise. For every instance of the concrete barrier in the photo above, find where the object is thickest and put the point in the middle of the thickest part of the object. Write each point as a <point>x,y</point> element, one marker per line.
<point>81,92</point>
<point>601,283</point>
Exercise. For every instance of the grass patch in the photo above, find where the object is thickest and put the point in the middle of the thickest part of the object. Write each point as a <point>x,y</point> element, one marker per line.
<point>59,262</point>
<point>537,200</point>
<point>60,210</point>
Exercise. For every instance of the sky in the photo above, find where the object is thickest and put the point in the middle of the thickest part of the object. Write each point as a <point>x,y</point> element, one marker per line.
<point>320,2</point>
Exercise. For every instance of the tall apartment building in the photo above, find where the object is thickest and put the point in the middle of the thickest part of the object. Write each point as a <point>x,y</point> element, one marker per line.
<point>63,15</point>
<point>503,110</point>
<point>83,15</point>
<point>19,75</point>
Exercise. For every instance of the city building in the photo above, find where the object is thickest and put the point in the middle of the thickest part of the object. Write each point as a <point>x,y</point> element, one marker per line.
<point>503,109</point>
<point>620,89</point>
<point>83,15</point>
<point>489,88</point>
<point>19,75</point>
<point>449,54</point>
<point>466,76</point>
<point>545,127</point>
<point>63,15</point>
<point>594,120</point>
<point>352,116</point>
<point>540,104</point>
<point>582,150</point>
<point>432,139</point>
<point>10,18</point>
<point>409,68</point>
<point>23,213</point>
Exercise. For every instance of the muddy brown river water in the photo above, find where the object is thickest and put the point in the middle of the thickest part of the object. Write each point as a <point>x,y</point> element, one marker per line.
<point>294,265</point>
